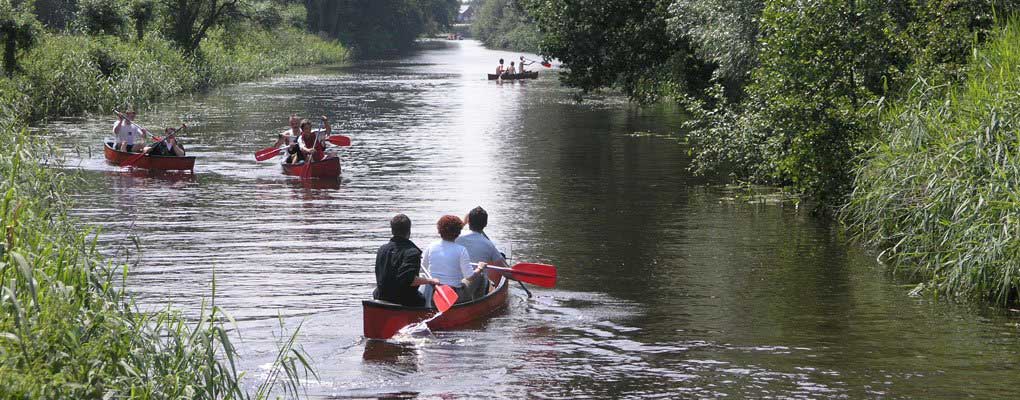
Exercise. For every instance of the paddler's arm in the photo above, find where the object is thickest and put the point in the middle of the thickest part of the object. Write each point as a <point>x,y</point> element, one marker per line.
<point>407,272</point>
<point>325,123</point>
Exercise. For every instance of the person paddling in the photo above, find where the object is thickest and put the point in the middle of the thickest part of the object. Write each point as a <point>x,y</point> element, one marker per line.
<point>286,137</point>
<point>169,146</point>
<point>478,245</point>
<point>310,146</point>
<point>126,132</point>
<point>520,67</point>
<point>397,265</point>
<point>449,262</point>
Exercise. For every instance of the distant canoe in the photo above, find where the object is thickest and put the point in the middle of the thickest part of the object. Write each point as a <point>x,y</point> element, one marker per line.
<point>325,168</point>
<point>526,75</point>
<point>161,163</point>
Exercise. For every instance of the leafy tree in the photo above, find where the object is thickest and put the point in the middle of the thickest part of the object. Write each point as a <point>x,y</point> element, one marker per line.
<point>619,43</point>
<point>724,32</point>
<point>100,17</point>
<point>142,12</point>
<point>190,20</point>
<point>19,30</point>
<point>56,14</point>
<point>503,24</point>
<point>373,27</point>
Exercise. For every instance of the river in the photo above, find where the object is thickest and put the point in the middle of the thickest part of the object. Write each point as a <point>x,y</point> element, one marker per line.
<point>670,285</point>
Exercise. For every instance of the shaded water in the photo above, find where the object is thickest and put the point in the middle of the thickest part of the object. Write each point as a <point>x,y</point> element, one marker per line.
<point>667,286</point>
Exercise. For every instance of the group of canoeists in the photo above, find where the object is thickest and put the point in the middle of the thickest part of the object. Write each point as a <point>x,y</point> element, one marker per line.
<point>126,132</point>
<point>298,144</point>
<point>407,275</point>
<point>301,142</point>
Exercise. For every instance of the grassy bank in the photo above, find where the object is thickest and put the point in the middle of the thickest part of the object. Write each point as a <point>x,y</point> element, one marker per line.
<point>940,192</point>
<point>72,74</point>
<point>68,328</point>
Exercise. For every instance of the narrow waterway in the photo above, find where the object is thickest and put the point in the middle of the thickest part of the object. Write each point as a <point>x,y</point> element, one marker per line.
<point>670,285</point>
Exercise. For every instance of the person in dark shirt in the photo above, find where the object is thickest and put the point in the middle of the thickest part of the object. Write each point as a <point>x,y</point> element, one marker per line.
<point>397,264</point>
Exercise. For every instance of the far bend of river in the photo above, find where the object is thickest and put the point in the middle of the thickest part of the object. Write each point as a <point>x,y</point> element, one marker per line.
<point>667,288</point>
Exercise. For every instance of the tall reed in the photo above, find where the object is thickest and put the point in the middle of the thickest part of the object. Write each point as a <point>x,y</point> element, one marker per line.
<point>73,74</point>
<point>69,329</point>
<point>940,192</point>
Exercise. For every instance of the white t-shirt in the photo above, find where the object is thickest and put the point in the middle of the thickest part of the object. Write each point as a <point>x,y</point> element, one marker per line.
<point>128,133</point>
<point>480,248</point>
<point>448,262</point>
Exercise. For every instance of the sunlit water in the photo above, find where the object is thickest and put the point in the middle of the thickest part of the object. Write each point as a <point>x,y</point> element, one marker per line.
<point>668,287</point>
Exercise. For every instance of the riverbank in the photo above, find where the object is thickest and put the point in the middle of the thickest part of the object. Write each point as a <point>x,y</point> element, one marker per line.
<point>70,329</point>
<point>938,190</point>
<point>72,74</point>
<point>69,326</point>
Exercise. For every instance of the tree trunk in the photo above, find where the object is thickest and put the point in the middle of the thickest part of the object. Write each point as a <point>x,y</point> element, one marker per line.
<point>10,52</point>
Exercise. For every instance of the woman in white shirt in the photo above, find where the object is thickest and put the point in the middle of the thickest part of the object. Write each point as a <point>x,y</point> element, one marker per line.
<point>449,262</point>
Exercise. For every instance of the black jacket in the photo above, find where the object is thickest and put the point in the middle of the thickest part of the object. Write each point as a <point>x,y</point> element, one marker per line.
<point>396,265</point>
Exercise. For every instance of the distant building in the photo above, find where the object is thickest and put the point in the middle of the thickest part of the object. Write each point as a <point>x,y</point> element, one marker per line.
<point>467,13</point>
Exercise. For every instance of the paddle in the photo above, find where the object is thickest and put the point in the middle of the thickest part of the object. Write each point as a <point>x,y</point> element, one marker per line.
<point>267,153</point>
<point>339,140</point>
<point>443,297</point>
<point>270,152</point>
<point>543,62</point>
<point>543,275</point>
<point>134,159</point>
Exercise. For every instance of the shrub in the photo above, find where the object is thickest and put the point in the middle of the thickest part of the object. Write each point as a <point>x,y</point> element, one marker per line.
<point>938,191</point>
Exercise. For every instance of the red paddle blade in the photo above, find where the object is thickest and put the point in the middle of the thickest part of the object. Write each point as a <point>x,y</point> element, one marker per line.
<point>546,64</point>
<point>543,275</point>
<point>444,297</point>
<point>267,153</point>
<point>339,140</point>
<point>131,161</point>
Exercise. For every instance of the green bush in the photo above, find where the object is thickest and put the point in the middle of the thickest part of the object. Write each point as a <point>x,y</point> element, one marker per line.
<point>939,190</point>
<point>101,17</point>
<point>70,75</point>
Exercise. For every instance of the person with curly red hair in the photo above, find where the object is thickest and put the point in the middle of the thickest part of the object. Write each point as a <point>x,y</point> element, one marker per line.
<point>449,262</point>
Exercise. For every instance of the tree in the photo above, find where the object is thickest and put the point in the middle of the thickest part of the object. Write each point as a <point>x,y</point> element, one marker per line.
<point>373,27</point>
<point>19,30</point>
<point>142,12</point>
<point>619,43</point>
<point>100,17</point>
<point>190,20</point>
<point>503,24</point>
<point>724,32</point>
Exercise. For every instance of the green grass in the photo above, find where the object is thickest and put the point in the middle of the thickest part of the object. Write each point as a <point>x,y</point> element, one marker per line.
<point>68,327</point>
<point>940,192</point>
<point>73,74</point>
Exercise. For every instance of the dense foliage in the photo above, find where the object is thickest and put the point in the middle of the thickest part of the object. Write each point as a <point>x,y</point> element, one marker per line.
<point>503,24</point>
<point>19,30</point>
<point>784,92</point>
<point>619,43</point>
<point>378,27</point>
<point>793,93</point>
<point>940,189</point>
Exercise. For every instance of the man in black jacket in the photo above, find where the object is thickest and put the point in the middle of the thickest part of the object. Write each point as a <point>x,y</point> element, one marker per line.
<point>397,264</point>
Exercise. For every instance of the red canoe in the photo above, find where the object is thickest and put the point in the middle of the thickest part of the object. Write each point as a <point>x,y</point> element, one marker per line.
<point>162,163</point>
<point>383,319</point>
<point>325,168</point>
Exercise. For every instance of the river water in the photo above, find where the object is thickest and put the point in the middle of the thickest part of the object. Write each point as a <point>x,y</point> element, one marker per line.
<point>670,285</point>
